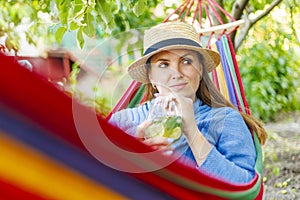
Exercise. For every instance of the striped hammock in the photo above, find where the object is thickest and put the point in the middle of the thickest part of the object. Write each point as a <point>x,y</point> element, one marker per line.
<point>43,156</point>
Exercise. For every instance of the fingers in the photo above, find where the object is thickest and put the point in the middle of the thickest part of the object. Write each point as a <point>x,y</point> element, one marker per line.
<point>161,144</point>
<point>169,101</point>
<point>140,130</point>
<point>158,141</point>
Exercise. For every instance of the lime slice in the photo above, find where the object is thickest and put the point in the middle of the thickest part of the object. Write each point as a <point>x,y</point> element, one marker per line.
<point>155,129</point>
<point>172,122</point>
<point>176,133</point>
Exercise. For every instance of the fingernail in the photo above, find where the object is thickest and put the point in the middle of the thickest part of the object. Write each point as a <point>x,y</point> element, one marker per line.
<point>170,140</point>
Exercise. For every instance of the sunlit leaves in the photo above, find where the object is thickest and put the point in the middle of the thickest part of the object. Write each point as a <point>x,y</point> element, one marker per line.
<point>270,71</point>
<point>73,26</point>
<point>139,7</point>
<point>78,6</point>
<point>89,28</point>
<point>104,10</point>
<point>109,17</point>
<point>60,33</point>
<point>80,39</point>
<point>63,7</point>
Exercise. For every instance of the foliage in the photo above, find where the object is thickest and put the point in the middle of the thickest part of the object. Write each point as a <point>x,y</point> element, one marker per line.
<point>270,74</point>
<point>98,101</point>
<point>28,15</point>
<point>52,19</point>
<point>270,70</point>
<point>93,18</point>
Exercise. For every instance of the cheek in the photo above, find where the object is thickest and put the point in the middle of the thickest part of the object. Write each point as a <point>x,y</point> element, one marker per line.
<point>194,77</point>
<point>158,76</point>
<point>195,81</point>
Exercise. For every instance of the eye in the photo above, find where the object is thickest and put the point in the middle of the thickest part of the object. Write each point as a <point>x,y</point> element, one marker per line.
<point>187,61</point>
<point>163,65</point>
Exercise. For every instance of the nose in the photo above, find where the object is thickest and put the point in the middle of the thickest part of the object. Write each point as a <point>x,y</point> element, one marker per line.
<point>176,74</point>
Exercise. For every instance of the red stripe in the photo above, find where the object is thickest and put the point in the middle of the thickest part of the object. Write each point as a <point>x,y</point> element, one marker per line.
<point>215,79</point>
<point>261,192</point>
<point>35,97</point>
<point>238,75</point>
<point>9,191</point>
<point>175,190</point>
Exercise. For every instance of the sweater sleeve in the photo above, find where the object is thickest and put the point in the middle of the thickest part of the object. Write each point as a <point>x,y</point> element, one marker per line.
<point>128,119</point>
<point>233,157</point>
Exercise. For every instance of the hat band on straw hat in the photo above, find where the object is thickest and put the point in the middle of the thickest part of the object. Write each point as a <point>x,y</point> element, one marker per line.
<point>170,42</point>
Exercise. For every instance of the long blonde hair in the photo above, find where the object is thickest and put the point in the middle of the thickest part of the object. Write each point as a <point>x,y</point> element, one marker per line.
<point>209,95</point>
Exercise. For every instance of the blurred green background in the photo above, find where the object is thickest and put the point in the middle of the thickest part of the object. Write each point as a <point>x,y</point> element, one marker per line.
<point>267,48</point>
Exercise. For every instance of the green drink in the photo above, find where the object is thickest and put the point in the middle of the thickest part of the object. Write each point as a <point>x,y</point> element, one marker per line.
<point>166,126</point>
<point>173,127</point>
<point>166,121</point>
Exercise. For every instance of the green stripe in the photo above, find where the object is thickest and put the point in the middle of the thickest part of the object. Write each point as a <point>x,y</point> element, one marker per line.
<point>137,97</point>
<point>232,70</point>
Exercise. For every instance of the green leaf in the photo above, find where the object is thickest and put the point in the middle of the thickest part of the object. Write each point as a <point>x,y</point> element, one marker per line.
<point>73,26</point>
<point>80,39</point>
<point>104,10</point>
<point>8,44</point>
<point>78,5</point>
<point>60,33</point>
<point>110,27</point>
<point>29,38</point>
<point>63,7</point>
<point>89,29</point>
<point>139,7</point>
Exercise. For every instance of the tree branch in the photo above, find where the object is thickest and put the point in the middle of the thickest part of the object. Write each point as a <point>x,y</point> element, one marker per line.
<point>294,31</point>
<point>250,22</point>
<point>265,12</point>
<point>237,12</point>
<point>238,7</point>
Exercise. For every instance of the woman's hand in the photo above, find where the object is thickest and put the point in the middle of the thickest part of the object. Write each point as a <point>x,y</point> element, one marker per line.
<point>197,142</point>
<point>185,110</point>
<point>157,143</point>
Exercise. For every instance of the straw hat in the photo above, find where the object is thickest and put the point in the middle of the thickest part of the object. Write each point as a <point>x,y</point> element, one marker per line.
<point>167,36</point>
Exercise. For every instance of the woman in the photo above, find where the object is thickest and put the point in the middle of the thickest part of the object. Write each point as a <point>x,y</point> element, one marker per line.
<point>216,137</point>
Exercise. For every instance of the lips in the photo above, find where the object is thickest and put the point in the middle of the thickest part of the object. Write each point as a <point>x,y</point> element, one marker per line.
<point>178,85</point>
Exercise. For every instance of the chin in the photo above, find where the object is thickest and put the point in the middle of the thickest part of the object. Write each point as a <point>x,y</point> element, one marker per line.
<point>186,94</point>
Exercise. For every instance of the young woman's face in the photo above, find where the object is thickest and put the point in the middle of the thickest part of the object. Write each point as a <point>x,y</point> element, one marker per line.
<point>177,71</point>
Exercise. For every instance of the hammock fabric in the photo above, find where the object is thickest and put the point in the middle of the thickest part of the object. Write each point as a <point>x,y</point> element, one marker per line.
<point>226,78</point>
<point>229,80</point>
<point>44,157</point>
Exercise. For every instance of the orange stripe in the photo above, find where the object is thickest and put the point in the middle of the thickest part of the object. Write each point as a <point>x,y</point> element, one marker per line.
<point>26,168</point>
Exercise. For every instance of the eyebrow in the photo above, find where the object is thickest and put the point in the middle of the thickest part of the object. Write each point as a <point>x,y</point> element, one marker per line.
<point>164,59</point>
<point>161,59</point>
<point>187,54</point>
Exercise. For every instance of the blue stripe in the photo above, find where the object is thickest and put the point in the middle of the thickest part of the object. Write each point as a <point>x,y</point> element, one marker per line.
<point>171,42</point>
<point>228,78</point>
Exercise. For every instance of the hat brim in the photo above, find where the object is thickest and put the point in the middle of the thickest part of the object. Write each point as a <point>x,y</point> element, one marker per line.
<point>137,70</point>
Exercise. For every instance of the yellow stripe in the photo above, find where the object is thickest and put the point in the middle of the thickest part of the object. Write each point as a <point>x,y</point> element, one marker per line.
<point>222,82</point>
<point>33,171</point>
<point>221,76</point>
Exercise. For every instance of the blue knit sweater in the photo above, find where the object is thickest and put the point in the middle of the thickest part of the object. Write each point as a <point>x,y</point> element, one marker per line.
<point>233,155</point>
